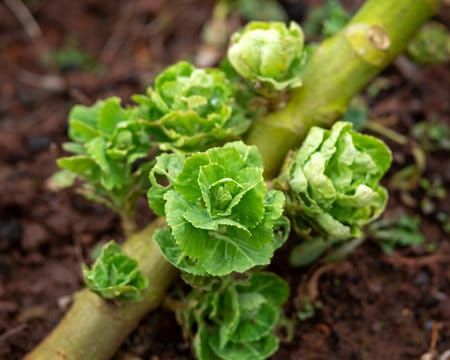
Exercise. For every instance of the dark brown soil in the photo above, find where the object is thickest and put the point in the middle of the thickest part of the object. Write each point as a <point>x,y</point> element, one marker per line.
<point>374,306</point>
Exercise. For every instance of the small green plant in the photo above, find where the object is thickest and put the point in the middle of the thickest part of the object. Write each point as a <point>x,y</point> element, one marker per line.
<point>401,231</point>
<point>332,188</point>
<point>110,146</point>
<point>431,45</point>
<point>221,217</point>
<point>308,308</point>
<point>114,275</point>
<point>269,54</point>
<point>71,56</point>
<point>237,319</point>
<point>332,181</point>
<point>432,135</point>
<point>191,109</point>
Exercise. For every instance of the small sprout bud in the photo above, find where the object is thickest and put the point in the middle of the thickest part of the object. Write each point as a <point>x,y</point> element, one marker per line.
<point>114,275</point>
<point>431,45</point>
<point>334,181</point>
<point>269,53</point>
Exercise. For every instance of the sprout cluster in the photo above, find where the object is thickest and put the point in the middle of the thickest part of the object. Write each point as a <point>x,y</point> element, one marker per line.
<point>107,141</point>
<point>114,275</point>
<point>431,45</point>
<point>269,53</point>
<point>236,320</point>
<point>221,218</point>
<point>332,181</point>
<point>191,109</point>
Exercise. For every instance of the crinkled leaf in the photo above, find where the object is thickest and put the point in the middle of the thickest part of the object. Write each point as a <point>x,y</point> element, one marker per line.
<point>238,319</point>
<point>192,109</point>
<point>218,209</point>
<point>201,345</point>
<point>80,165</point>
<point>270,53</point>
<point>230,314</point>
<point>308,251</point>
<point>110,147</point>
<point>175,255</point>
<point>110,115</point>
<point>274,289</point>
<point>254,326</point>
<point>114,275</point>
<point>64,178</point>
<point>256,350</point>
<point>401,231</point>
<point>165,171</point>
<point>333,182</point>
<point>83,122</point>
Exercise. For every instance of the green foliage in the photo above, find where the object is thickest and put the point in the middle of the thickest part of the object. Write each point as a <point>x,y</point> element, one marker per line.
<point>308,308</point>
<point>332,181</point>
<point>114,275</point>
<point>432,135</point>
<point>191,109</point>
<point>357,113</point>
<point>326,20</point>
<point>431,45</point>
<point>69,56</point>
<point>390,233</point>
<point>107,141</point>
<point>309,250</point>
<point>221,217</point>
<point>266,10</point>
<point>443,219</point>
<point>269,54</point>
<point>238,319</point>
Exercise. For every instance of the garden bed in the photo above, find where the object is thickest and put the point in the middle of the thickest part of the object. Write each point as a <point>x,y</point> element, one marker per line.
<point>373,306</point>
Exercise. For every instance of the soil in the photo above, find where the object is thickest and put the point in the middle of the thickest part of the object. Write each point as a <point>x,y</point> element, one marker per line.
<point>373,305</point>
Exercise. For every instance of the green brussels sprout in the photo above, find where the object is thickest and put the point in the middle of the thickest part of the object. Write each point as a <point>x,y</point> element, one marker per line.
<point>107,141</point>
<point>431,45</point>
<point>192,109</point>
<point>220,215</point>
<point>269,53</point>
<point>332,181</point>
<point>236,320</point>
<point>114,275</point>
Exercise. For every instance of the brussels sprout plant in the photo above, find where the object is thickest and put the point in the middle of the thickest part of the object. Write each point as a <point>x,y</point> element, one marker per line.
<point>269,53</point>
<point>207,163</point>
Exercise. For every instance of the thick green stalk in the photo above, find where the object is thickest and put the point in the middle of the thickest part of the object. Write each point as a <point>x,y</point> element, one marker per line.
<point>338,70</point>
<point>94,328</point>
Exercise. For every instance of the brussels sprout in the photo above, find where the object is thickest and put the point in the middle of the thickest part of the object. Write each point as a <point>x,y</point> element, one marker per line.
<point>237,319</point>
<point>107,141</point>
<point>332,181</point>
<point>221,217</point>
<point>114,275</point>
<point>192,109</point>
<point>269,53</point>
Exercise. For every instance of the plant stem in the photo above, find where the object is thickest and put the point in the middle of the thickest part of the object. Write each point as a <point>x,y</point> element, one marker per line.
<point>337,71</point>
<point>94,328</point>
<point>128,224</point>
